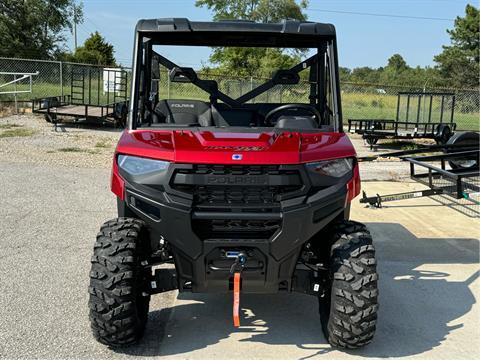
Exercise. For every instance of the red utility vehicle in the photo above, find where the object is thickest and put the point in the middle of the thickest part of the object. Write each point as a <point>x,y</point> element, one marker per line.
<point>241,194</point>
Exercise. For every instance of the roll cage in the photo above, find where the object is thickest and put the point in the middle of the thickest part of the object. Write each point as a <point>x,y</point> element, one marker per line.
<point>324,92</point>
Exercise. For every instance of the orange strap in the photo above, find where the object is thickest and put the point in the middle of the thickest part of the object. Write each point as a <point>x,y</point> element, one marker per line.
<point>236,299</point>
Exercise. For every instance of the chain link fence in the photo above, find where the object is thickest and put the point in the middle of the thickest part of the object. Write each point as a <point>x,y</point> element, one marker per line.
<point>359,101</point>
<point>58,78</point>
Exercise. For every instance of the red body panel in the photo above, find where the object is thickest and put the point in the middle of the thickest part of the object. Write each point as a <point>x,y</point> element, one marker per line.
<point>353,186</point>
<point>207,147</point>
<point>117,183</point>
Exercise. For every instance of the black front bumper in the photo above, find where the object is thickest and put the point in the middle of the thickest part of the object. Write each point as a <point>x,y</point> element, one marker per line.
<point>201,219</point>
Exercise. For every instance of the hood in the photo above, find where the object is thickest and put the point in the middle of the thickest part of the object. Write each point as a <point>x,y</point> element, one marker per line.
<point>219,147</point>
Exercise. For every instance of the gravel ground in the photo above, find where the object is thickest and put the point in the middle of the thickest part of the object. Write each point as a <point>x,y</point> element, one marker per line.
<point>69,146</point>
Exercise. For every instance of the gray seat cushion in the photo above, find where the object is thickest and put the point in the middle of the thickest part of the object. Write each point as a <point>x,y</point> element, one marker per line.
<point>183,112</point>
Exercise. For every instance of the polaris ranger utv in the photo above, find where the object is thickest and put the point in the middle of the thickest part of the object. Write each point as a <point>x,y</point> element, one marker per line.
<point>241,194</point>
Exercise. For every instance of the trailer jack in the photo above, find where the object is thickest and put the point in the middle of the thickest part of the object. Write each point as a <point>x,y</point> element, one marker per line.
<point>378,200</point>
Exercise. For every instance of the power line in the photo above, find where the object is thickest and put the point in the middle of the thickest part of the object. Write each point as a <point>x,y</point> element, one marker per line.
<point>94,24</point>
<point>383,15</point>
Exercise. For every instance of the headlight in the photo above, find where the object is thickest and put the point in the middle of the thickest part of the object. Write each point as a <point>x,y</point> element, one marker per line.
<point>141,166</point>
<point>336,168</point>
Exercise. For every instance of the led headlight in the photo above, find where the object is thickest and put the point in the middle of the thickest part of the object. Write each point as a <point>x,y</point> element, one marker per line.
<point>335,168</point>
<point>141,166</point>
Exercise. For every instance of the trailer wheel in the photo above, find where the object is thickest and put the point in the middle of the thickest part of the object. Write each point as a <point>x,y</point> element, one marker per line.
<point>348,309</point>
<point>118,309</point>
<point>370,141</point>
<point>51,118</point>
<point>120,113</point>
<point>377,125</point>
<point>464,138</point>
<point>443,134</point>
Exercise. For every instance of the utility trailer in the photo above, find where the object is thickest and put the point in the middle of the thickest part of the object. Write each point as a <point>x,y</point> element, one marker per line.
<point>454,173</point>
<point>419,115</point>
<point>92,100</point>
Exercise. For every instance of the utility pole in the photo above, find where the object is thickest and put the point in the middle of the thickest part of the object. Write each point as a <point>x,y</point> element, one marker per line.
<point>75,35</point>
<point>77,19</point>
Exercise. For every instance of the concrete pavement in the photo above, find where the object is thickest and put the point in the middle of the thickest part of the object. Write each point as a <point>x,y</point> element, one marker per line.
<point>428,265</point>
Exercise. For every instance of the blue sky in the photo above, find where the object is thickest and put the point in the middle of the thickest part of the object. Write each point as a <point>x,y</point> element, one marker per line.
<point>363,40</point>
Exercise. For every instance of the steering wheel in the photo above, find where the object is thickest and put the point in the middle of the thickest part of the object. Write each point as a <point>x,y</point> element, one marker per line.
<point>311,109</point>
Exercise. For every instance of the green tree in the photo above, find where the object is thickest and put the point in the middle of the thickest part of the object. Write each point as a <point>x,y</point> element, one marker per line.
<point>96,50</point>
<point>35,28</point>
<point>254,61</point>
<point>459,62</point>
<point>345,73</point>
<point>396,72</point>
<point>397,63</point>
<point>365,74</point>
<point>257,10</point>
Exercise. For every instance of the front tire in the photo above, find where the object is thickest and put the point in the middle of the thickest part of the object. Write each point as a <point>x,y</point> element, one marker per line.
<point>118,309</point>
<point>348,309</point>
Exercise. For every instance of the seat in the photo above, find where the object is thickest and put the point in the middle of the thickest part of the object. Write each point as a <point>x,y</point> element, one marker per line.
<point>183,112</point>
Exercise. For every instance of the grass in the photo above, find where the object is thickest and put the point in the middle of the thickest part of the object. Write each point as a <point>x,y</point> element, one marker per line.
<point>77,150</point>
<point>72,150</point>
<point>17,132</point>
<point>9,126</point>
<point>103,144</point>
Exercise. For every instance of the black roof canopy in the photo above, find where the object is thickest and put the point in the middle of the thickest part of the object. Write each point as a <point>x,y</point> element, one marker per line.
<point>181,31</point>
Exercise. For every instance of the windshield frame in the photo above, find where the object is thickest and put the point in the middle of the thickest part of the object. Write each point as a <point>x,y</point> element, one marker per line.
<point>323,61</point>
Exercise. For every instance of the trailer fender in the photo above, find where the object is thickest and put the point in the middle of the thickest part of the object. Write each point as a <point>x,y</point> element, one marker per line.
<point>464,138</point>
<point>443,134</point>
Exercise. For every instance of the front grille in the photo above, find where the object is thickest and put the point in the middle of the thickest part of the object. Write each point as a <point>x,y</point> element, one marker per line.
<point>214,186</point>
<point>209,196</point>
<point>236,188</point>
<point>236,170</point>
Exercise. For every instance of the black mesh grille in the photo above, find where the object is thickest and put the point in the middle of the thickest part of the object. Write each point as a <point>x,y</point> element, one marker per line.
<point>248,194</point>
<point>240,192</point>
<point>238,170</point>
<point>260,196</point>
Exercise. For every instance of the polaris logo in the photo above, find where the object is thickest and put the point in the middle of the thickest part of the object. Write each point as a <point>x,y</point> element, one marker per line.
<point>182,106</point>
<point>237,180</point>
<point>237,157</point>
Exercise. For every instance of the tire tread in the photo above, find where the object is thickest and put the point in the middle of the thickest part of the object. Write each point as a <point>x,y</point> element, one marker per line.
<point>116,316</point>
<point>353,301</point>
